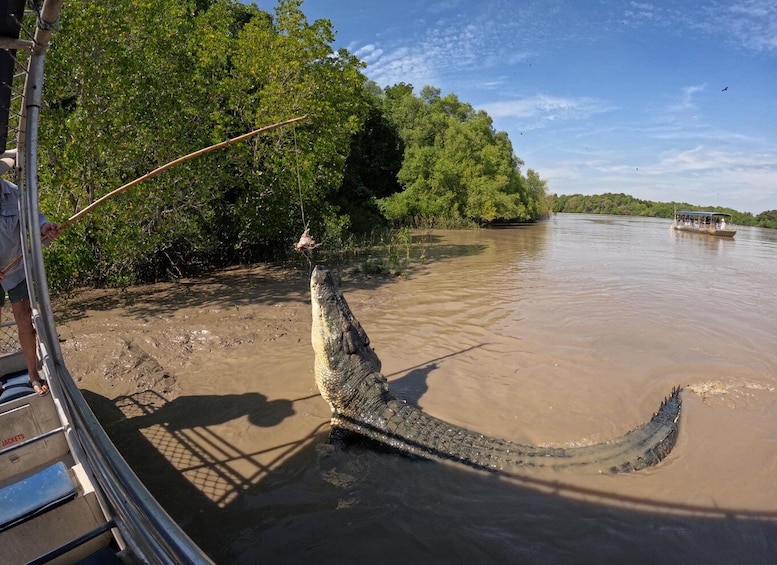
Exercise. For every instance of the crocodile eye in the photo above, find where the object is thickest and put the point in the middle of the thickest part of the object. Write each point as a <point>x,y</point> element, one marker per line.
<point>354,337</point>
<point>348,344</point>
<point>350,340</point>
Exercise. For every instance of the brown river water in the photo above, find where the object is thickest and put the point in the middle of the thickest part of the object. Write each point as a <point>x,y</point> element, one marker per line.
<point>564,333</point>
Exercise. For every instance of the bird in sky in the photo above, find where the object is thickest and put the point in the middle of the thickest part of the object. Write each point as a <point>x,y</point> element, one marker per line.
<point>725,89</point>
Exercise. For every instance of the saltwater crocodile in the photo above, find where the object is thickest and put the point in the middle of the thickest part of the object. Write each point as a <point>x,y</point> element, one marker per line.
<point>348,375</point>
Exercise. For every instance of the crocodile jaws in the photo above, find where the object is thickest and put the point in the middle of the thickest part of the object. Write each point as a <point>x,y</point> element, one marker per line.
<point>347,373</point>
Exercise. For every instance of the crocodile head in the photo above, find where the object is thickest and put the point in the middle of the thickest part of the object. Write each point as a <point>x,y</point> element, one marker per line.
<point>344,361</point>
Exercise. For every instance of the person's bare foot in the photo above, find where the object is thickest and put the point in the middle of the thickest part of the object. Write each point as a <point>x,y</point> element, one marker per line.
<point>40,387</point>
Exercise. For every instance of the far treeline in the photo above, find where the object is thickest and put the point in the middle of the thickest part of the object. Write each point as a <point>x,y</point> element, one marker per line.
<point>131,86</point>
<point>623,204</point>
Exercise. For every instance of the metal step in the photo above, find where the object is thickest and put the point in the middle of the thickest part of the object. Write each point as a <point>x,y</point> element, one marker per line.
<point>35,494</point>
<point>63,524</point>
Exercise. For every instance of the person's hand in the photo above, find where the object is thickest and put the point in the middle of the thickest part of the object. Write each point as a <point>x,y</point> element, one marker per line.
<point>50,230</point>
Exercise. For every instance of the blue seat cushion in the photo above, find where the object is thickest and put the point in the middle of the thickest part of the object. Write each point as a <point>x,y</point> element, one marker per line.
<point>35,495</point>
<point>15,385</point>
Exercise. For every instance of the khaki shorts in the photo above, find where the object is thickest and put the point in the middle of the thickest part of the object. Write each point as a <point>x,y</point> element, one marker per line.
<point>16,294</point>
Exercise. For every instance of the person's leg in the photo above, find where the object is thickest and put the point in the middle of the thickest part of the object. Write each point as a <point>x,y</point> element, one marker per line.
<point>22,313</point>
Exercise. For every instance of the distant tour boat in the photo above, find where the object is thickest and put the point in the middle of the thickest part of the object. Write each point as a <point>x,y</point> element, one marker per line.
<point>710,223</point>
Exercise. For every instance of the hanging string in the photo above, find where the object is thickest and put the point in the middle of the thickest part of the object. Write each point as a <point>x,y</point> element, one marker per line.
<point>306,244</point>
<point>299,182</point>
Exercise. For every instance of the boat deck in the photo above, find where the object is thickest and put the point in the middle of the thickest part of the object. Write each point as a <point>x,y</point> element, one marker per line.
<point>719,224</point>
<point>41,485</point>
<point>66,494</point>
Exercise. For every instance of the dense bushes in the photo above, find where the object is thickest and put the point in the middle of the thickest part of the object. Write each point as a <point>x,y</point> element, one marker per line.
<point>133,85</point>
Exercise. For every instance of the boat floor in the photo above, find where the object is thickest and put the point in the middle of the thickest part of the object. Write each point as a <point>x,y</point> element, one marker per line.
<point>46,498</point>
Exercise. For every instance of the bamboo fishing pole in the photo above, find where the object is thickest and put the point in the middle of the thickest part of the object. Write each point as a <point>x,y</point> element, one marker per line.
<point>81,213</point>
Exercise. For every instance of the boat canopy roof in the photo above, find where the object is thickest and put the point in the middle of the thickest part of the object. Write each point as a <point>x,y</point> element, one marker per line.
<point>700,213</point>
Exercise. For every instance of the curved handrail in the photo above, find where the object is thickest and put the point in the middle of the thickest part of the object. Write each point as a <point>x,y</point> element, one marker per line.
<point>149,533</point>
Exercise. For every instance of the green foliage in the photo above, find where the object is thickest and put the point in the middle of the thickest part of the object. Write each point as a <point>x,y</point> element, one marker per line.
<point>766,219</point>
<point>383,251</point>
<point>134,84</point>
<point>371,169</point>
<point>623,204</point>
<point>609,203</point>
<point>455,166</point>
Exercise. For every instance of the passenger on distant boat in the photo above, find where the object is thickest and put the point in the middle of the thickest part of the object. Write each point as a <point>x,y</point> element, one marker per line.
<point>709,223</point>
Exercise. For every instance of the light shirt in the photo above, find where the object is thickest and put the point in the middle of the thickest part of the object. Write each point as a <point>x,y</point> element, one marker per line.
<point>10,234</point>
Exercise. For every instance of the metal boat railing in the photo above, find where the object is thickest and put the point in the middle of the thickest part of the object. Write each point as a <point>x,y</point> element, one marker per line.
<point>146,532</point>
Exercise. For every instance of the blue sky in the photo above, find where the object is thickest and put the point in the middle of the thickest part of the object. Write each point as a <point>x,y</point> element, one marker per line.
<point>596,96</point>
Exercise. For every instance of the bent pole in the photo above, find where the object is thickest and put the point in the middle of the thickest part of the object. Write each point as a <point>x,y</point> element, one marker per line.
<point>178,161</point>
<point>80,214</point>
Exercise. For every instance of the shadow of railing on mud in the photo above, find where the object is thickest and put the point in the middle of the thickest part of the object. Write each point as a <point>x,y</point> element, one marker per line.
<point>174,442</point>
<point>171,441</point>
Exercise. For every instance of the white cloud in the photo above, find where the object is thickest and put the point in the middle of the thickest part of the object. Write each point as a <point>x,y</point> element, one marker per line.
<point>401,65</point>
<point>749,24</point>
<point>701,158</point>
<point>369,53</point>
<point>546,107</point>
<point>753,23</point>
<point>641,11</point>
<point>686,99</point>
<point>446,42</point>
